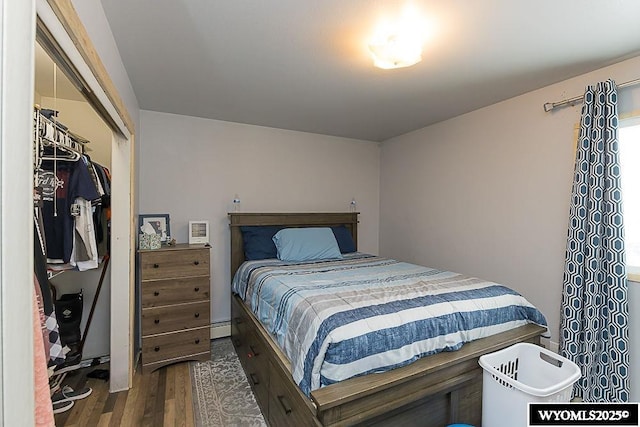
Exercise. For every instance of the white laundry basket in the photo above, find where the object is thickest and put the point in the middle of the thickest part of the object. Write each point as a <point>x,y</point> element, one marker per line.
<point>520,374</point>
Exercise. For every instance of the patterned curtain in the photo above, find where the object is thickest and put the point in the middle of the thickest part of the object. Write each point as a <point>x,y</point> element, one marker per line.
<point>594,302</point>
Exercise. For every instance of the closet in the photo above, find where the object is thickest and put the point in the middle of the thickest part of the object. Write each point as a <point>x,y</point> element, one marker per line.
<point>75,37</point>
<point>67,131</point>
<point>83,175</point>
<point>72,212</point>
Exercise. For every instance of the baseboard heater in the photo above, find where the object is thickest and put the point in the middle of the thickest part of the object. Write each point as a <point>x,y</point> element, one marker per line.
<point>220,330</point>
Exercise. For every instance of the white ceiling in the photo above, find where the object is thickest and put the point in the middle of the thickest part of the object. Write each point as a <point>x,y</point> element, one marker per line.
<point>304,64</point>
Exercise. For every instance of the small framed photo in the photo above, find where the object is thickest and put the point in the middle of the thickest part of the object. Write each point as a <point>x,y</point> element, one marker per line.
<point>198,232</point>
<point>159,222</point>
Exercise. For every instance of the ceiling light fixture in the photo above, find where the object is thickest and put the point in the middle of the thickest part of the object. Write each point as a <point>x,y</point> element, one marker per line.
<point>398,44</point>
<point>396,51</point>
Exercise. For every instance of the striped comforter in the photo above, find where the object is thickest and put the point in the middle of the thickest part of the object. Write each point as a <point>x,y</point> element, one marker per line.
<point>364,314</point>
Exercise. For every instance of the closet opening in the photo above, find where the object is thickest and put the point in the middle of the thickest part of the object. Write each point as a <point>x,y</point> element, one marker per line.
<point>77,247</point>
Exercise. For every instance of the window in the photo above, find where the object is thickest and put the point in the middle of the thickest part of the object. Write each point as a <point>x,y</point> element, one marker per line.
<point>629,138</point>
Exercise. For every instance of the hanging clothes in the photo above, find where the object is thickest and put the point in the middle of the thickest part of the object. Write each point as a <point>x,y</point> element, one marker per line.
<point>102,213</point>
<point>72,191</point>
<point>56,353</point>
<point>85,251</point>
<point>61,187</point>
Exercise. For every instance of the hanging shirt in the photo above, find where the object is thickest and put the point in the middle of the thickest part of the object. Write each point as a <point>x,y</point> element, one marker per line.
<point>70,181</point>
<point>85,252</point>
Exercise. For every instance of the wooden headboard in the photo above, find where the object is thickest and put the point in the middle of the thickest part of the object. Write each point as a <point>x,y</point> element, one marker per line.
<point>324,219</point>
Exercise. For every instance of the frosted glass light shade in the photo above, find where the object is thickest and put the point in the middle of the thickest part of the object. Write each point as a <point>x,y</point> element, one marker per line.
<point>395,52</point>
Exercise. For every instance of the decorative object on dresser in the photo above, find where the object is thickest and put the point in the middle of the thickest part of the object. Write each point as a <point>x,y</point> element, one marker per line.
<point>174,292</point>
<point>159,222</point>
<point>198,232</point>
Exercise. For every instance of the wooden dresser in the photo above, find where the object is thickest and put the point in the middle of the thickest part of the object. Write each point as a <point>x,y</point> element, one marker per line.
<point>174,295</point>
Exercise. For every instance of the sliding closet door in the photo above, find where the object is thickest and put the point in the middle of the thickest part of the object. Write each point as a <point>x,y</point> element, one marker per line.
<point>122,297</point>
<point>17,20</point>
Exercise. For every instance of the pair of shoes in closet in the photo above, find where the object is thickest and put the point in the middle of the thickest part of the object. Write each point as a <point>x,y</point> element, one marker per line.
<point>71,363</point>
<point>67,394</point>
<point>59,407</point>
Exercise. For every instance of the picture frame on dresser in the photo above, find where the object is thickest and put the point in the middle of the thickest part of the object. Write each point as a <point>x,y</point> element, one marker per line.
<point>160,223</point>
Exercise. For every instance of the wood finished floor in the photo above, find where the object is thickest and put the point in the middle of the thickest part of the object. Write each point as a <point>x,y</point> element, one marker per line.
<point>161,398</point>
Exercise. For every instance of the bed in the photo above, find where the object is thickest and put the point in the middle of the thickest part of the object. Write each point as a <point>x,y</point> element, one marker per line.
<point>434,390</point>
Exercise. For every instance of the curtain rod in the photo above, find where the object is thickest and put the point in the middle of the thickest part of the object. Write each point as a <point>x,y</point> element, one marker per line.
<point>571,101</point>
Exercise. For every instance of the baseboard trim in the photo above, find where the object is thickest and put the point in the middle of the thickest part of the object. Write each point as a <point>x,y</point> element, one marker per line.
<point>220,330</point>
<point>550,345</point>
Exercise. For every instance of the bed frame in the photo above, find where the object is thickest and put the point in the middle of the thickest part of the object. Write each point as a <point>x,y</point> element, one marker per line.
<point>433,391</point>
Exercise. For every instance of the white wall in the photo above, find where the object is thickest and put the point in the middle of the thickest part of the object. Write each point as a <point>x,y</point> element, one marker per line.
<point>191,168</point>
<point>487,193</point>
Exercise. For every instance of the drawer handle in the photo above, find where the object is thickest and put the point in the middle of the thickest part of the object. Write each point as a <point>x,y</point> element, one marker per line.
<point>196,262</point>
<point>285,404</point>
<point>196,315</point>
<point>198,341</point>
<point>156,348</point>
<point>156,321</point>
<point>156,265</point>
<point>156,293</point>
<point>254,379</point>
<point>255,353</point>
<point>196,289</point>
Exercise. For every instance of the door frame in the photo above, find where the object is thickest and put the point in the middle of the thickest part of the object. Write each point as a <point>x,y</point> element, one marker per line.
<point>17,38</point>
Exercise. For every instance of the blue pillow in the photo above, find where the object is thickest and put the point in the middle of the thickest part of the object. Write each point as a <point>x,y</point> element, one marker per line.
<point>344,239</point>
<point>257,241</point>
<point>306,244</point>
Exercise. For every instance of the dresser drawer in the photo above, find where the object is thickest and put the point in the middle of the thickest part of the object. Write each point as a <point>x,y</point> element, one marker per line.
<point>164,264</point>
<point>157,293</point>
<point>175,317</point>
<point>174,345</point>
